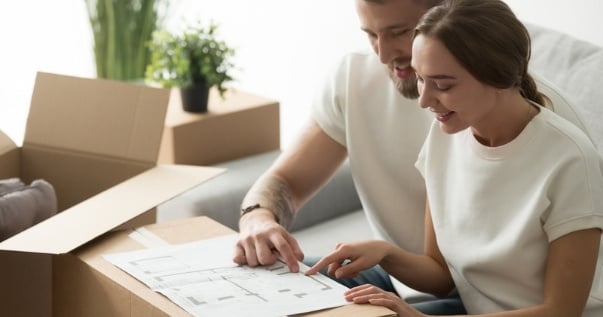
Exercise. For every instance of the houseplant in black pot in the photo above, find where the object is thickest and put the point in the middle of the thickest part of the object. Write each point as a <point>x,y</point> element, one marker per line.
<point>193,61</point>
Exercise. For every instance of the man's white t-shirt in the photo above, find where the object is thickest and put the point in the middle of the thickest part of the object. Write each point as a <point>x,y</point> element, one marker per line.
<point>360,108</point>
<point>495,210</point>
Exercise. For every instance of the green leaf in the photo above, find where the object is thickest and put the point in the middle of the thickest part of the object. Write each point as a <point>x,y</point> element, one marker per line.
<point>193,55</point>
<point>121,29</point>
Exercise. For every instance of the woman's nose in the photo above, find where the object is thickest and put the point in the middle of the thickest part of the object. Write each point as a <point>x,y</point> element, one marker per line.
<point>424,97</point>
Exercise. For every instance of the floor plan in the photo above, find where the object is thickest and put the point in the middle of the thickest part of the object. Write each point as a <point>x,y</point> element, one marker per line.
<point>202,279</point>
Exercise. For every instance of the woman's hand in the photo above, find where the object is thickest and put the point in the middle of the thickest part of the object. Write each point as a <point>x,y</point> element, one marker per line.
<point>349,259</point>
<point>373,295</point>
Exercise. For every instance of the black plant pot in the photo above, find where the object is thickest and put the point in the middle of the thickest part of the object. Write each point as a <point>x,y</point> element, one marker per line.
<point>195,97</point>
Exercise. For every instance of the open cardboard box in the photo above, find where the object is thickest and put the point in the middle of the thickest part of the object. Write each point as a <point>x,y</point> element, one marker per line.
<point>97,142</point>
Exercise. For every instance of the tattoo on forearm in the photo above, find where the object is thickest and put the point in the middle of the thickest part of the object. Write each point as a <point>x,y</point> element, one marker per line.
<point>274,194</point>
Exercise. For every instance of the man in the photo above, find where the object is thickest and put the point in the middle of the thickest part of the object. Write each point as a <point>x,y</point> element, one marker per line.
<point>362,116</point>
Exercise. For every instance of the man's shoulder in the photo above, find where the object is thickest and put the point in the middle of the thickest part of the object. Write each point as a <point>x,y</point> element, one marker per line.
<point>364,69</point>
<point>361,59</point>
<point>362,53</point>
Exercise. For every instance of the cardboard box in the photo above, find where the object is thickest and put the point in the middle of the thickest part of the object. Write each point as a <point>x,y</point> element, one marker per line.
<point>239,125</point>
<point>98,288</point>
<point>97,142</point>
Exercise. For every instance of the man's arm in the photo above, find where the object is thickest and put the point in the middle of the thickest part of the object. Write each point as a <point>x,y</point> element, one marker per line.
<point>298,173</point>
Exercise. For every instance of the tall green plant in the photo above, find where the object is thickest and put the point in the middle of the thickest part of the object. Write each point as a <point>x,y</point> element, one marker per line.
<point>121,29</point>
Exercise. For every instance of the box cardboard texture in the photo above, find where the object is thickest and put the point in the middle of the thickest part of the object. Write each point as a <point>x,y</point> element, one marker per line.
<point>120,294</point>
<point>97,142</point>
<point>238,125</point>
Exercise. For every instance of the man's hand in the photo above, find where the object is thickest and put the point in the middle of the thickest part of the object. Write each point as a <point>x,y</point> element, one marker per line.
<point>262,241</point>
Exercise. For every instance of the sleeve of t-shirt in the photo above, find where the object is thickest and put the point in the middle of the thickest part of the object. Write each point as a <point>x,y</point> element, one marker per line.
<point>576,194</point>
<point>421,162</point>
<point>328,106</point>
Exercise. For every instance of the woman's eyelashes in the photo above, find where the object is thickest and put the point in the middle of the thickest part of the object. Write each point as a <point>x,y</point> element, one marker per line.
<point>435,84</point>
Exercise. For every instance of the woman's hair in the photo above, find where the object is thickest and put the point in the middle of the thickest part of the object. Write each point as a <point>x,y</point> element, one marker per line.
<point>487,39</point>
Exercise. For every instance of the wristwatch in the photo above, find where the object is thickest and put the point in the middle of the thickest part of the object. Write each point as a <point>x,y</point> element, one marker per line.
<point>249,209</point>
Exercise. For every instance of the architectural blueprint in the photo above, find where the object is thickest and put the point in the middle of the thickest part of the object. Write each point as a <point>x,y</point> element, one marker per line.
<point>201,278</point>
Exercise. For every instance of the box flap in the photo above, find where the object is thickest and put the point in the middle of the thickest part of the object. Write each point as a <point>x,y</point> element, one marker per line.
<point>9,157</point>
<point>103,212</point>
<point>97,116</point>
<point>6,144</point>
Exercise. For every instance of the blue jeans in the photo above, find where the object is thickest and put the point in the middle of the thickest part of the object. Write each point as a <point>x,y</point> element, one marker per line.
<point>378,277</point>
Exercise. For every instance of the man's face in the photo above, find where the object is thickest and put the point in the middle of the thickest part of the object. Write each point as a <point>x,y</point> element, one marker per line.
<point>389,26</point>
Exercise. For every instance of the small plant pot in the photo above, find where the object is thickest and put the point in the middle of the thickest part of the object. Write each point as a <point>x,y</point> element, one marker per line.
<point>195,97</point>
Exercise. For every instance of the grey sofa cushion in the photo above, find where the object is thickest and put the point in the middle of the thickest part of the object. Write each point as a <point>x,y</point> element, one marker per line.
<point>22,206</point>
<point>576,67</point>
<point>220,198</point>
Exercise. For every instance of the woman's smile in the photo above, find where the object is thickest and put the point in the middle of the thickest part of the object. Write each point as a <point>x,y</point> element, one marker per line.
<point>442,116</point>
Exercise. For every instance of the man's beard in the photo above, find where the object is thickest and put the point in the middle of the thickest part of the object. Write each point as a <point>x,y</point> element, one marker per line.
<point>407,87</point>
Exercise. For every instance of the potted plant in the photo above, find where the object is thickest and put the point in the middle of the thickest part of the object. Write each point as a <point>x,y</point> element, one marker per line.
<point>193,61</point>
<point>121,30</point>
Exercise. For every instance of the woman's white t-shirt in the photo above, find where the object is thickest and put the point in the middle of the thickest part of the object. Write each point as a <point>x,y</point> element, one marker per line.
<point>496,209</point>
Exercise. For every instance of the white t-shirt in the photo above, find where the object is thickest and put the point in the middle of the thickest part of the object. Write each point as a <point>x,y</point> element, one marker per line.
<point>496,209</point>
<point>360,108</point>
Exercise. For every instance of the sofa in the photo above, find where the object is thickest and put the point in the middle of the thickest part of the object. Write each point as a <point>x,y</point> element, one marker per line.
<point>335,207</point>
<point>335,214</point>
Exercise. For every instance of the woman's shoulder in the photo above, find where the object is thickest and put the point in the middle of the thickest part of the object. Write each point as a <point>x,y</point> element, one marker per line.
<point>560,103</point>
<point>560,130</point>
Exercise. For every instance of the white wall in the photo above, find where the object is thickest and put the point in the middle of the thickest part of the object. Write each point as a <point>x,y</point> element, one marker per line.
<point>581,18</point>
<point>283,47</point>
<point>51,36</point>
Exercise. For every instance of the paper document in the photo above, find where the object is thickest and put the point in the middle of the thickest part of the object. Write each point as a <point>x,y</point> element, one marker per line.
<point>201,278</point>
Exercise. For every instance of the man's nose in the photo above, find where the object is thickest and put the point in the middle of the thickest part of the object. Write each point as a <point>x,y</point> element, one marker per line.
<point>387,50</point>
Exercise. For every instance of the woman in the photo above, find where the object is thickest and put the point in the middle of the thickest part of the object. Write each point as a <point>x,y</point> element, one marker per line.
<point>514,214</point>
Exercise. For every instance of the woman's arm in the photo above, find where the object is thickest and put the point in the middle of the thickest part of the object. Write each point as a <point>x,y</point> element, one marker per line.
<point>427,272</point>
<point>569,274</point>
<point>424,272</point>
<point>568,279</point>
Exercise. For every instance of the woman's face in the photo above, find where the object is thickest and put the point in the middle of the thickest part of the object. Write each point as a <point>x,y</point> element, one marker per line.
<point>457,99</point>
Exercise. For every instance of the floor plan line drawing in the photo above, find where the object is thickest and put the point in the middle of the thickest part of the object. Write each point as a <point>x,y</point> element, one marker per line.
<point>203,280</point>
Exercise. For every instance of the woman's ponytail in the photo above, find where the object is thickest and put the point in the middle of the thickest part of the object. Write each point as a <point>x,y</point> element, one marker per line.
<point>529,90</point>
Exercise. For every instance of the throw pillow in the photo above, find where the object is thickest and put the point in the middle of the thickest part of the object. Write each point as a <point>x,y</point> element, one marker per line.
<point>22,206</point>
